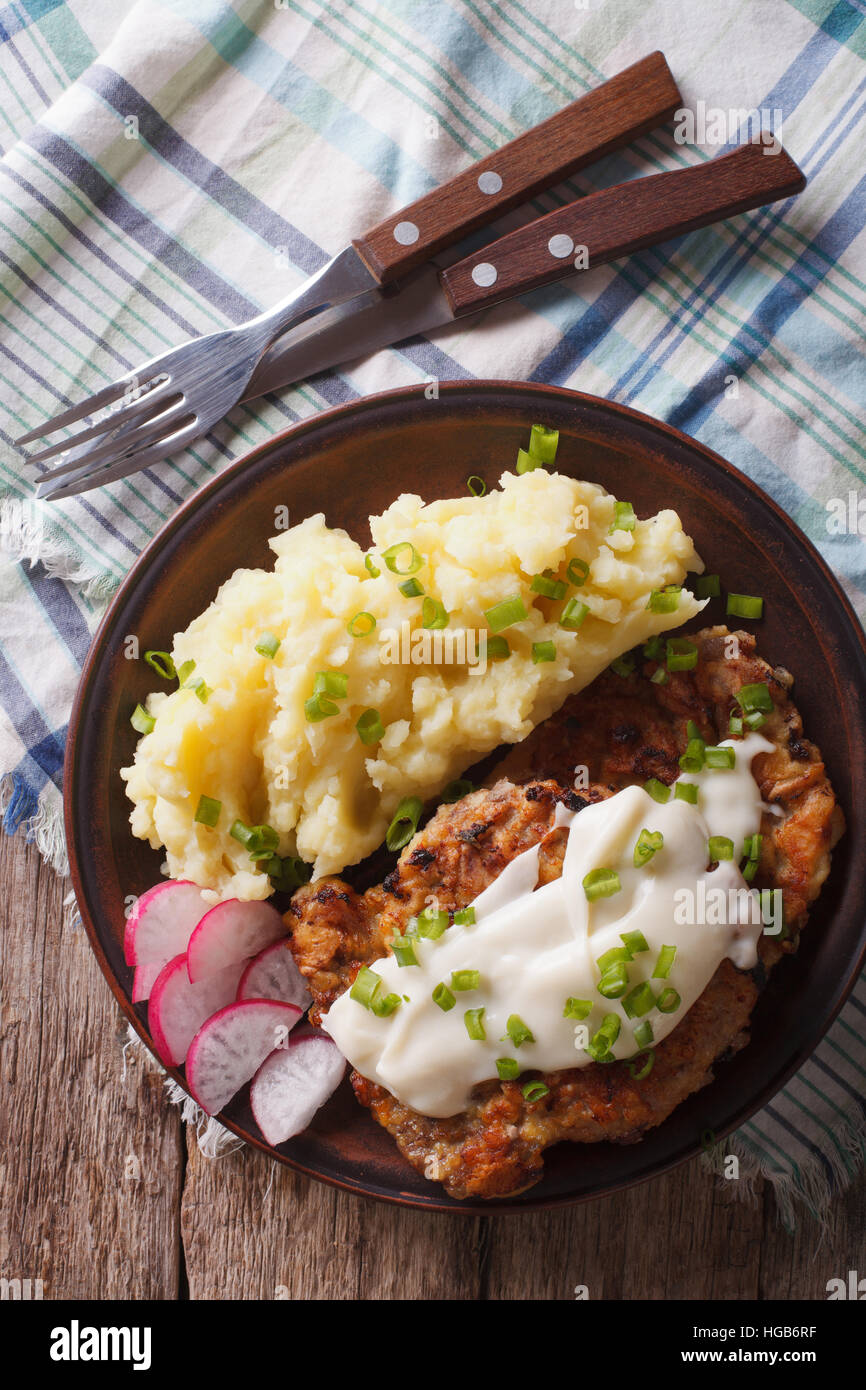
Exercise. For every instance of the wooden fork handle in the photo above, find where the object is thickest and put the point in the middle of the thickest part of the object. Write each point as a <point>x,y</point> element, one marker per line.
<point>628,105</point>
<point>613,223</point>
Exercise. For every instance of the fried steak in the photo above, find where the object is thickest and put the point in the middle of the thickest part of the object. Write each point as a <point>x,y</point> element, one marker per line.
<point>624,730</point>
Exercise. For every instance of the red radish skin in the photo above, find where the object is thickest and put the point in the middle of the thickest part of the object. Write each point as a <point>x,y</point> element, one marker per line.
<point>162,921</point>
<point>273,974</point>
<point>231,931</point>
<point>230,1047</point>
<point>178,1008</point>
<point>293,1083</point>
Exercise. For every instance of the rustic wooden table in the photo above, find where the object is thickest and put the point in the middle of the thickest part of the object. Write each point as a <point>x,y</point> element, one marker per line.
<point>105,1194</point>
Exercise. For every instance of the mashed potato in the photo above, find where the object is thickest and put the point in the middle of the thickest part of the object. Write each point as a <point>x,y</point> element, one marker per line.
<point>329,796</point>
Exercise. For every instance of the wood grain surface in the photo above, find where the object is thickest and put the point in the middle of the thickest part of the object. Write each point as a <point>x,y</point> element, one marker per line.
<point>104,1195</point>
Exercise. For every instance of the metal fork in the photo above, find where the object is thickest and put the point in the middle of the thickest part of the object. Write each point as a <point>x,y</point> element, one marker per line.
<point>180,395</point>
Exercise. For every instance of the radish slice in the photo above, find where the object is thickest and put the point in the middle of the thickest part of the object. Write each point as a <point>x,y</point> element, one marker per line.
<point>144,979</point>
<point>230,932</point>
<point>293,1083</point>
<point>178,1008</point>
<point>230,1047</point>
<point>273,974</point>
<point>162,921</point>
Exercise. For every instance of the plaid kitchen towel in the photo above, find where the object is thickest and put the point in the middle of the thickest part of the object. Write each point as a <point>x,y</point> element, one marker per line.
<point>172,166</point>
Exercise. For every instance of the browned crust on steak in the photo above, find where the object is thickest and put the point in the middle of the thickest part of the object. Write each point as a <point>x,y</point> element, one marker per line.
<point>623,730</point>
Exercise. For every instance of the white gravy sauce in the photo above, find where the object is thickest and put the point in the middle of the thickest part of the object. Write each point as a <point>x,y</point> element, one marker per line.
<point>534,948</point>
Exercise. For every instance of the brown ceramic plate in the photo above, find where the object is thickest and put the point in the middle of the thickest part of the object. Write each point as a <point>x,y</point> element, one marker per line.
<point>354,460</point>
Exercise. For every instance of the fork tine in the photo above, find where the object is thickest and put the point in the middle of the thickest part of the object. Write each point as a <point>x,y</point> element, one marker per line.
<point>87,407</point>
<point>49,490</point>
<point>151,400</point>
<point>146,432</point>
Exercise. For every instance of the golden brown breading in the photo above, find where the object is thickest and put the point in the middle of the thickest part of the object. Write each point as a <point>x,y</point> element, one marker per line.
<point>623,730</point>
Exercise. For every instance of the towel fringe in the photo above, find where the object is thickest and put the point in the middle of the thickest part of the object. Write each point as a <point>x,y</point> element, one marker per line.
<point>28,536</point>
<point>40,821</point>
<point>214,1140</point>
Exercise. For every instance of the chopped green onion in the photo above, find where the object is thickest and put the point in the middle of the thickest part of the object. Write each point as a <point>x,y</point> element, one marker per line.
<point>616,953</point>
<point>518,1031</point>
<point>682,655</point>
<point>404,823</point>
<point>207,812</point>
<point>289,873</point>
<point>526,463</point>
<point>370,727</point>
<point>577,1008</point>
<point>707,586</point>
<point>240,832</point>
<point>645,1069</point>
<point>432,923</point>
<point>665,600</point>
<point>476,485</point>
<point>755,720</point>
<point>547,586</point>
<point>735,725</point>
<point>403,948</point>
<point>502,615</point>
<point>659,791</point>
<point>462,980</point>
<point>577,572</point>
<point>654,649</point>
<point>752,846</point>
<point>474,1020</point>
<point>443,997</point>
<point>162,664</point>
<point>614,981</point>
<point>268,644</point>
<point>668,1001</point>
<point>695,755</point>
<point>755,697</point>
<point>370,567</point>
<point>433,614</point>
<point>623,665</point>
<point>543,443</point>
<point>686,791</point>
<point>667,956</point>
<point>496,648</point>
<point>456,790</point>
<point>543,651</point>
<point>601,883</point>
<point>601,1042</point>
<point>464,917</point>
<point>643,1034</point>
<point>535,1090</point>
<point>720,847</point>
<point>573,615</point>
<point>203,692</point>
<point>744,606</point>
<point>261,839</point>
<point>410,563</point>
<point>382,1008</point>
<point>411,588</point>
<point>660,676</point>
<point>141,721</point>
<point>317,707</point>
<point>649,842</point>
<point>692,731</point>
<point>334,683</point>
<point>366,986</point>
<point>507,1068</point>
<point>185,671</point>
<point>361,625</point>
<point>750,870</point>
<point>624,518</point>
<point>639,1000</point>
<point>634,941</point>
<point>717,756</point>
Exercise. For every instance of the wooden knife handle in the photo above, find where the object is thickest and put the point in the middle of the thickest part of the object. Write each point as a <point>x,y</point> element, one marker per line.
<point>628,105</point>
<point>613,223</point>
